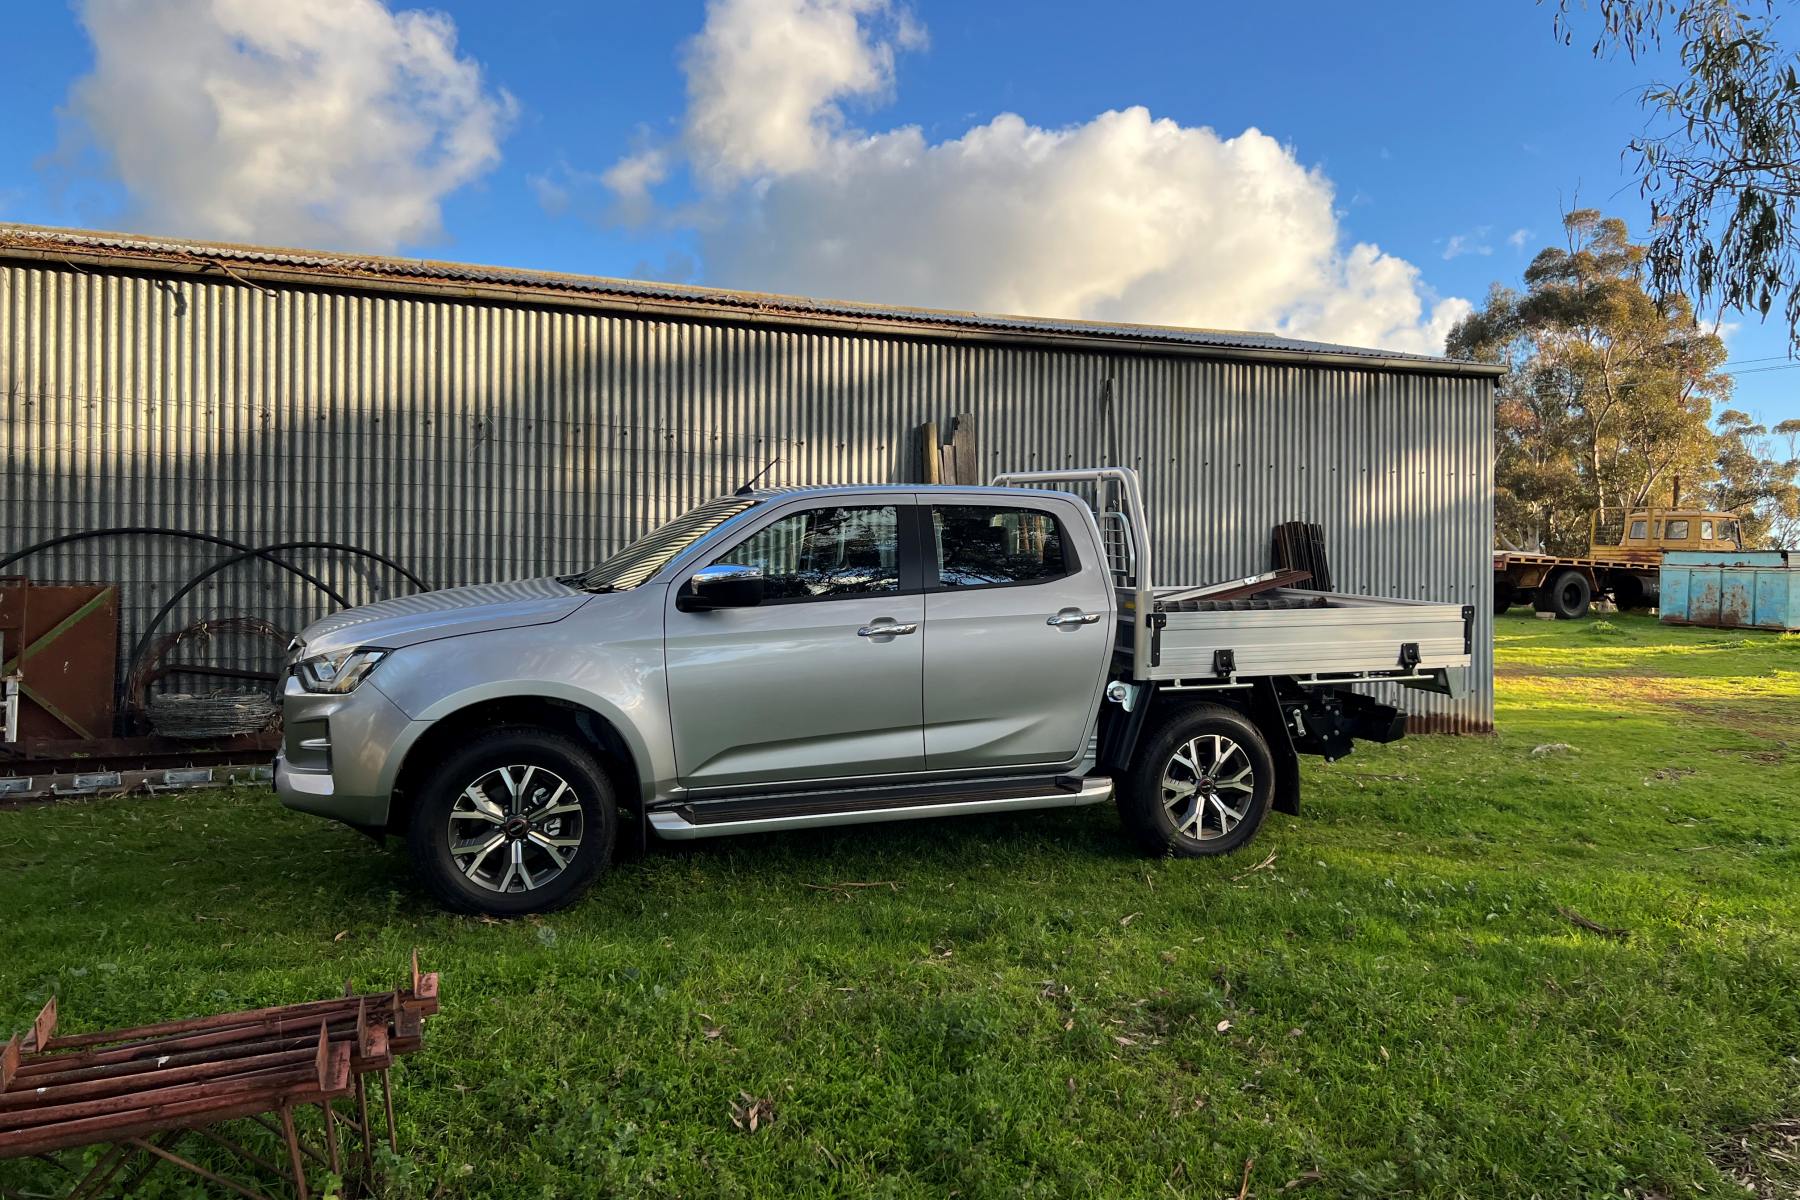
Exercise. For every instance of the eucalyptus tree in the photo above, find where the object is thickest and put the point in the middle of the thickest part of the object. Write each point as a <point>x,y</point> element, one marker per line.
<point>1610,391</point>
<point>1720,160</point>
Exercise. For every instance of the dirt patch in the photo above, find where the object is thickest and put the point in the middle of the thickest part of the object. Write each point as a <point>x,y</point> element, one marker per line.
<point>1533,670</point>
<point>1770,720</point>
<point>1773,718</point>
<point>1764,1159</point>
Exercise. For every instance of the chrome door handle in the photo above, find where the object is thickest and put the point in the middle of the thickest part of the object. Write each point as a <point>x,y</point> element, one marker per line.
<point>891,628</point>
<point>1072,617</point>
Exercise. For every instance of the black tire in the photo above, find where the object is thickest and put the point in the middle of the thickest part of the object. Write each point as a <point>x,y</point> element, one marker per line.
<point>492,764</point>
<point>1503,597</point>
<point>1567,594</point>
<point>1160,830</point>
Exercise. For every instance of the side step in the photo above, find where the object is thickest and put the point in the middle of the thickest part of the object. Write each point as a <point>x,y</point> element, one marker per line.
<point>860,806</point>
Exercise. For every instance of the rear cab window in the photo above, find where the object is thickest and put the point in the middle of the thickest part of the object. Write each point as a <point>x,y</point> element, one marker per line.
<point>980,546</point>
<point>1637,531</point>
<point>1678,531</point>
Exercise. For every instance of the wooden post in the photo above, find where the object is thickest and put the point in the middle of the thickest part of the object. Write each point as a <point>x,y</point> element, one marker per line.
<point>930,455</point>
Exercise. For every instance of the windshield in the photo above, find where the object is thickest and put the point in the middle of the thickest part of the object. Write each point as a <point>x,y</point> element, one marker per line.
<point>652,552</point>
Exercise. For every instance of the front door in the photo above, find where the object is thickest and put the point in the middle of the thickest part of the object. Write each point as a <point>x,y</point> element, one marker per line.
<point>1019,634</point>
<point>821,681</point>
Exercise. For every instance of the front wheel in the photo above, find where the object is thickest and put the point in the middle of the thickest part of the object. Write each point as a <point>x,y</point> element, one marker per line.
<point>1201,785</point>
<point>518,821</point>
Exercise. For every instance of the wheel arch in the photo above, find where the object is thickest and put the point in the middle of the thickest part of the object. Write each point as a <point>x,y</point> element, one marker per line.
<point>622,759</point>
<point>1260,704</point>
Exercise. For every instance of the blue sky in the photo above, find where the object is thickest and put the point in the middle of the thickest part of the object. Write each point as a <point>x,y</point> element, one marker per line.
<point>1436,132</point>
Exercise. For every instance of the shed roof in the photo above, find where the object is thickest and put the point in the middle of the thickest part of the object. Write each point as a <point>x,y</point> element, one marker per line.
<point>89,248</point>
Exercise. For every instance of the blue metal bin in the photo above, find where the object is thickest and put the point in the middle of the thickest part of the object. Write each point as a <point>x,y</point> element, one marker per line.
<point>1753,589</point>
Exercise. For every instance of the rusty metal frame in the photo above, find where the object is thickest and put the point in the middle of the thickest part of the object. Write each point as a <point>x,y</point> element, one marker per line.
<point>139,1092</point>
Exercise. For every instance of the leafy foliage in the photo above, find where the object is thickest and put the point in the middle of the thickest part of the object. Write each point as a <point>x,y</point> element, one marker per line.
<point>1723,175</point>
<point>1607,403</point>
<point>1757,472</point>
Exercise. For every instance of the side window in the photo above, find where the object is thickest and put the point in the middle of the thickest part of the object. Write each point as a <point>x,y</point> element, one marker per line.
<point>824,552</point>
<point>1678,531</point>
<point>985,547</point>
<point>1706,531</point>
<point>1637,531</point>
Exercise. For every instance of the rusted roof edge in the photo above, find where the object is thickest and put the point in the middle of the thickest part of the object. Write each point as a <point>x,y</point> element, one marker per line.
<point>245,265</point>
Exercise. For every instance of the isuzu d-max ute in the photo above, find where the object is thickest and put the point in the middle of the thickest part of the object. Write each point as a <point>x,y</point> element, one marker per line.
<point>783,659</point>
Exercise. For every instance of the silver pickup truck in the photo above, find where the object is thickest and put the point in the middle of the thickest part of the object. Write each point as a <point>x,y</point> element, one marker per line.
<point>780,659</point>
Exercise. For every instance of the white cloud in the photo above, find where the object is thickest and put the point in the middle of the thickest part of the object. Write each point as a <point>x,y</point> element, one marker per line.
<point>764,80</point>
<point>322,122</point>
<point>1460,244</point>
<point>1517,238</point>
<point>1124,217</point>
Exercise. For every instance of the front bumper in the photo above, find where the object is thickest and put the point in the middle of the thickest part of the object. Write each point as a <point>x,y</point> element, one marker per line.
<point>340,754</point>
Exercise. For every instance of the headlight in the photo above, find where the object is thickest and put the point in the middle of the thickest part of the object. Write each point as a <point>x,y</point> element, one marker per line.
<point>335,674</point>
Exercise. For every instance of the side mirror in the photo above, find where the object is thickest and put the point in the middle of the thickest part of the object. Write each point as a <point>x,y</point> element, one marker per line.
<point>722,585</point>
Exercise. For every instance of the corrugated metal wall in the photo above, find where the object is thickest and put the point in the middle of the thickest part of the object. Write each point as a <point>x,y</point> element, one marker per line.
<point>477,441</point>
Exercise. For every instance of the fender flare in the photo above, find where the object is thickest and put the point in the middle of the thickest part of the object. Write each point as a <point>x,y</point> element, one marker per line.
<point>426,719</point>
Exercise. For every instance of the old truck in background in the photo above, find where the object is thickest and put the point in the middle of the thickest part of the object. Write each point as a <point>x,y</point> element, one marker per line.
<point>787,659</point>
<point>1624,568</point>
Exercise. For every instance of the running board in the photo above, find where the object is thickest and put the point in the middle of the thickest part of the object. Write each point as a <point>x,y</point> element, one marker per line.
<point>691,820</point>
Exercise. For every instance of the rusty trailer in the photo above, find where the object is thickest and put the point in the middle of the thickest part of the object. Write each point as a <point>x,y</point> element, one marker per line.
<point>282,1092</point>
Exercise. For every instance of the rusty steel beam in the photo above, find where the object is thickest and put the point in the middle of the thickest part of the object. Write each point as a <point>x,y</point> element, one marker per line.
<point>137,1091</point>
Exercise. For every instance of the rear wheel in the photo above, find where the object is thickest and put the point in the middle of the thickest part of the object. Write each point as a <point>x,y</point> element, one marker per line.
<point>518,821</point>
<point>1503,596</point>
<point>1201,784</point>
<point>1567,594</point>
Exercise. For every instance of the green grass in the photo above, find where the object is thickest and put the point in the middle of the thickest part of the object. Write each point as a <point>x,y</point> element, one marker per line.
<point>1391,1000</point>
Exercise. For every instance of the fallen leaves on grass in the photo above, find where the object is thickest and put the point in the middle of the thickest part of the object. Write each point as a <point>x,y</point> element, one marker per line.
<point>841,891</point>
<point>1222,1026</point>
<point>1301,1180</point>
<point>1549,748</point>
<point>1575,918</point>
<point>1128,918</point>
<point>1764,1158</point>
<point>1264,865</point>
<point>750,1113</point>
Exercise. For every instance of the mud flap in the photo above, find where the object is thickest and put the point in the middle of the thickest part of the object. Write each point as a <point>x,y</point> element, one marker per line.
<point>1265,710</point>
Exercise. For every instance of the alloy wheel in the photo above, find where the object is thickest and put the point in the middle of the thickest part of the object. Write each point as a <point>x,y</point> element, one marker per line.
<point>1207,786</point>
<point>515,828</point>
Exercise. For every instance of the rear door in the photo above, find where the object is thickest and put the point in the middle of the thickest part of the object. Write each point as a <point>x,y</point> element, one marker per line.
<point>1018,633</point>
<point>823,680</point>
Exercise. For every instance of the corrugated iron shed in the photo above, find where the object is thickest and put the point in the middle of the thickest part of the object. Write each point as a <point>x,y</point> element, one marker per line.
<point>482,423</point>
